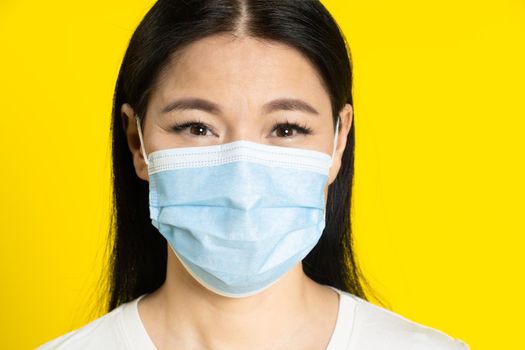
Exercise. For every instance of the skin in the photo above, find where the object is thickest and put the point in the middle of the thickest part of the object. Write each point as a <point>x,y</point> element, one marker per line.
<point>239,74</point>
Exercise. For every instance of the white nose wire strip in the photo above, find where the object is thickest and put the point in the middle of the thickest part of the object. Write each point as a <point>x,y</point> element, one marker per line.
<point>147,161</point>
<point>141,140</point>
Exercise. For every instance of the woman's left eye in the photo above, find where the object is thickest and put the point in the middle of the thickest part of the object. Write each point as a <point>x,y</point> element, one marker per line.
<point>285,129</point>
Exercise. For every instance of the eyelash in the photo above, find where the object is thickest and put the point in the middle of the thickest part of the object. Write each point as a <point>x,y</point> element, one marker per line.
<point>300,128</point>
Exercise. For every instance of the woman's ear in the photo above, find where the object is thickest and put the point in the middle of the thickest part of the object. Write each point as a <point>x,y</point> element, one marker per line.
<point>345,123</point>
<point>129,126</point>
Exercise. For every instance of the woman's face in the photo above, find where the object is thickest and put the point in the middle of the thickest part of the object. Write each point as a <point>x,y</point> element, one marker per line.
<point>225,88</point>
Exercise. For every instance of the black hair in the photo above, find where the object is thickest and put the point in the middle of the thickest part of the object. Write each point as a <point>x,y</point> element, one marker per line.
<point>138,252</point>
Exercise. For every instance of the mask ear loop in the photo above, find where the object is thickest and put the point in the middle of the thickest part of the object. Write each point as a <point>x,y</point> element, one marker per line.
<point>137,119</point>
<point>335,140</point>
<point>333,151</point>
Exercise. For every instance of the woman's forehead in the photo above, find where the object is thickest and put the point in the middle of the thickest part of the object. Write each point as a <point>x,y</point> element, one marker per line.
<point>225,67</point>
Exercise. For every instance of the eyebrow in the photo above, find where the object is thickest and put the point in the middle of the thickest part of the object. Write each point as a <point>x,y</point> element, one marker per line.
<point>281,104</point>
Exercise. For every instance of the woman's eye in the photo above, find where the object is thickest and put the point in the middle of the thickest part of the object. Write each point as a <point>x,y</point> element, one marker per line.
<point>286,129</point>
<point>195,128</point>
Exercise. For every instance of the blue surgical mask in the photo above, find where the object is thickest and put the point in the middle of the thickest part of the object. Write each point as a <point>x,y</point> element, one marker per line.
<point>238,215</point>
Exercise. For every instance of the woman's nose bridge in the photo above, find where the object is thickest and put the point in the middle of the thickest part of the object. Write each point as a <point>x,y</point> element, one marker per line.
<point>243,129</point>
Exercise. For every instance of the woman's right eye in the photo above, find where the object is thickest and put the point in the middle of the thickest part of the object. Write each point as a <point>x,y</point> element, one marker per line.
<point>195,128</point>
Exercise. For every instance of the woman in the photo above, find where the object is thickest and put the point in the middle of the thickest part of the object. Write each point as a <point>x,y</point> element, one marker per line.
<point>233,146</point>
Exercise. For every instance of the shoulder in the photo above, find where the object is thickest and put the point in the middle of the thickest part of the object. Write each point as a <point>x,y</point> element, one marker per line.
<point>376,328</point>
<point>101,333</point>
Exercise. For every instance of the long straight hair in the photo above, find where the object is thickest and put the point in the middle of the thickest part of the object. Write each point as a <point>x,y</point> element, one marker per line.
<point>138,252</point>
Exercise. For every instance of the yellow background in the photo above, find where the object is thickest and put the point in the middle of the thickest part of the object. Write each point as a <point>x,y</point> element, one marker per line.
<point>439,193</point>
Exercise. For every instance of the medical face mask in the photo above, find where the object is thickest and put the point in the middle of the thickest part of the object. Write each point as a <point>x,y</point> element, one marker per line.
<point>238,215</point>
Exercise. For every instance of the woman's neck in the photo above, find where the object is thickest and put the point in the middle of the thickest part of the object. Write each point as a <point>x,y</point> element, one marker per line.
<point>183,314</point>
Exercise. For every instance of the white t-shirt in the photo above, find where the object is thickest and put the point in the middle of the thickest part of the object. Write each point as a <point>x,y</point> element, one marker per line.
<point>360,325</point>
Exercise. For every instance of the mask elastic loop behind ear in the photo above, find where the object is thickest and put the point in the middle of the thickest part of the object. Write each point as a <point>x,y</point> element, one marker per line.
<point>335,139</point>
<point>137,119</point>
